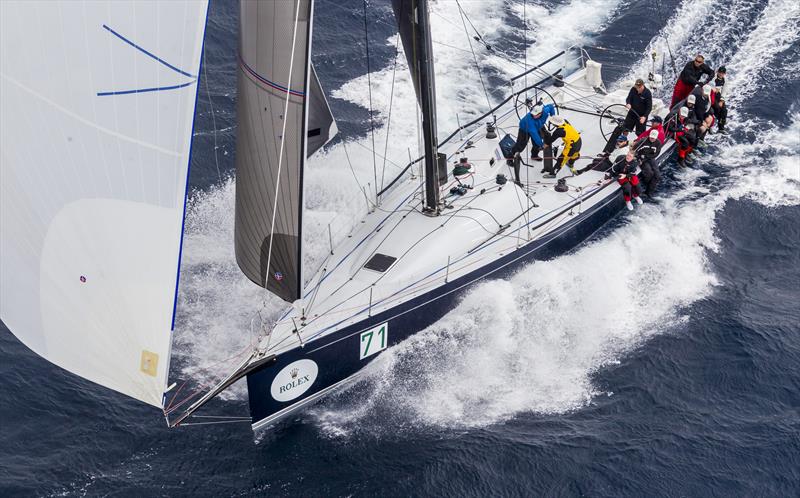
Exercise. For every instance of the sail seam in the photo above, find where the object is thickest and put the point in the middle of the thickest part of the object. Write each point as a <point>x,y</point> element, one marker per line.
<point>87,122</point>
<point>149,54</point>
<point>144,90</point>
<point>267,82</point>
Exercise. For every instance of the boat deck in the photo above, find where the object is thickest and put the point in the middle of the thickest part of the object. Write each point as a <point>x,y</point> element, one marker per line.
<point>398,253</point>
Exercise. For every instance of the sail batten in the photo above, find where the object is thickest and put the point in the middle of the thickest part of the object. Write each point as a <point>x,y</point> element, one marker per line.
<point>279,99</point>
<point>93,171</point>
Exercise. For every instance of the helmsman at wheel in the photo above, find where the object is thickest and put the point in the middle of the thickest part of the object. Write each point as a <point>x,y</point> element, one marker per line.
<point>639,104</point>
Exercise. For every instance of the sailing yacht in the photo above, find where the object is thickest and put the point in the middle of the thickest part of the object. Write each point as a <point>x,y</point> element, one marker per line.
<point>94,178</point>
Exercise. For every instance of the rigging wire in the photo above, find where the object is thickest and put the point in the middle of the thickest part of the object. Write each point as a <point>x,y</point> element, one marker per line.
<point>352,170</point>
<point>474,57</point>
<point>525,82</point>
<point>389,117</point>
<point>213,117</point>
<point>478,38</point>
<point>280,155</point>
<point>369,91</point>
<point>525,43</point>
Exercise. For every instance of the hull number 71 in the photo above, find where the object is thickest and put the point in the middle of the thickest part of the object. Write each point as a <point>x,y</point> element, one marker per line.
<point>374,340</point>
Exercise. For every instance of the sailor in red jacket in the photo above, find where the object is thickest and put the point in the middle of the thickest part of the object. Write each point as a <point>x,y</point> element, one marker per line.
<point>682,126</point>
<point>689,78</point>
<point>655,124</point>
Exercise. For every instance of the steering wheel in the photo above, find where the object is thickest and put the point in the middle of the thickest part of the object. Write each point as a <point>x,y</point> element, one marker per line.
<point>518,104</point>
<point>612,116</point>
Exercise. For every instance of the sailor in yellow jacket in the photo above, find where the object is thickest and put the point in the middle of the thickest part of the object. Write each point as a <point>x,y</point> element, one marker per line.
<point>572,143</point>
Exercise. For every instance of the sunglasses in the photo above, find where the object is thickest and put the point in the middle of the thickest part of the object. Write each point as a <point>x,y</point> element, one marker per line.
<point>698,61</point>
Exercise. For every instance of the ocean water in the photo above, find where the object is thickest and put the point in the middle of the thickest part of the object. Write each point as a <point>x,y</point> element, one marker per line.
<point>661,358</point>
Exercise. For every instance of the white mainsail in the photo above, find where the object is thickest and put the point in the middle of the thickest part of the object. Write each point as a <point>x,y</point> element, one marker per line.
<point>97,103</point>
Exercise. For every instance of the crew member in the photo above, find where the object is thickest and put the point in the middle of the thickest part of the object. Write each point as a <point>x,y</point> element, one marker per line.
<point>531,126</point>
<point>721,113</point>
<point>639,104</point>
<point>682,128</point>
<point>625,169</point>
<point>572,143</point>
<point>689,78</point>
<point>656,124</point>
<point>719,80</point>
<point>647,150</point>
<point>703,110</point>
<point>718,104</point>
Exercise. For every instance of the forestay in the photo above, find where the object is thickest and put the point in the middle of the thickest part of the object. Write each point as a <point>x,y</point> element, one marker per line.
<point>280,123</point>
<point>97,105</point>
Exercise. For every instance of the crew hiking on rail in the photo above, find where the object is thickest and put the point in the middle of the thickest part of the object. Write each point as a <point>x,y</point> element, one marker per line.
<point>690,77</point>
<point>698,104</point>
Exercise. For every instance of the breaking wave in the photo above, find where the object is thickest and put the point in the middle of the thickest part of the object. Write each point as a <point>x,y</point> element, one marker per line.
<point>217,303</point>
<point>533,342</point>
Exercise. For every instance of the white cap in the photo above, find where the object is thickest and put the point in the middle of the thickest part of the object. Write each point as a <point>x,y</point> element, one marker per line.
<point>537,109</point>
<point>654,134</point>
<point>707,90</point>
<point>684,112</point>
<point>690,99</point>
<point>555,120</point>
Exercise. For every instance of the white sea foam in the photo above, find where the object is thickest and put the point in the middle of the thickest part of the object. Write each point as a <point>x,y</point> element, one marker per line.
<point>568,24</point>
<point>531,344</point>
<point>217,303</point>
<point>775,31</point>
<point>528,344</point>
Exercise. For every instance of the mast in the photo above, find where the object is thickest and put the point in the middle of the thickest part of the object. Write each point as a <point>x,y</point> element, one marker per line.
<point>414,26</point>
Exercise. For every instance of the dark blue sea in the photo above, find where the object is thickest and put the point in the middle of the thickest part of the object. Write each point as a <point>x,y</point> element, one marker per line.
<point>661,358</point>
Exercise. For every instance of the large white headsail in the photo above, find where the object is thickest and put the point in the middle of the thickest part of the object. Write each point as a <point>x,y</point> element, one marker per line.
<point>97,104</point>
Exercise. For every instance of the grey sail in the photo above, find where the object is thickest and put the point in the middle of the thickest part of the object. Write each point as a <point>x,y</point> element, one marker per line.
<point>321,126</point>
<point>272,140</point>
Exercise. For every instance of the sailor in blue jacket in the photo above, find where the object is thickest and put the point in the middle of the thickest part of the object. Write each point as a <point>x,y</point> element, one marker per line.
<point>532,126</point>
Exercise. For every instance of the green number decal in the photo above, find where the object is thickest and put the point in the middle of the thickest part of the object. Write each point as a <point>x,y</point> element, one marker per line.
<point>365,346</point>
<point>368,337</point>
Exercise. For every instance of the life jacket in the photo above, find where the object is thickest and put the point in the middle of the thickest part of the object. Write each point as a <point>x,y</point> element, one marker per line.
<point>571,135</point>
<point>679,127</point>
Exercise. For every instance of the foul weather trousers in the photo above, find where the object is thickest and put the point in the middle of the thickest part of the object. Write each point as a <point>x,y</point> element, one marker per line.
<point>522,142</point>
<point>721,113</point>
<point>681,91</point>
<point>632,123</point>
<point>630,187</point>
<point>650,175</point>
<point>569,155</point>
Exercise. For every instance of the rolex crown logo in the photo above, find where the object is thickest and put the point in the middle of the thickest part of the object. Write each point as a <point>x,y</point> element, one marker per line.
<point>294,373</point>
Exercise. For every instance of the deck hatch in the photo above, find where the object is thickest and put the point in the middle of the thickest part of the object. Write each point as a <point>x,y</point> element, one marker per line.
<point>380,262</point>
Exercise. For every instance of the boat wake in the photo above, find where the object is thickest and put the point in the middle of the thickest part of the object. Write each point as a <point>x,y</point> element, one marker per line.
<point>532,343</point>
